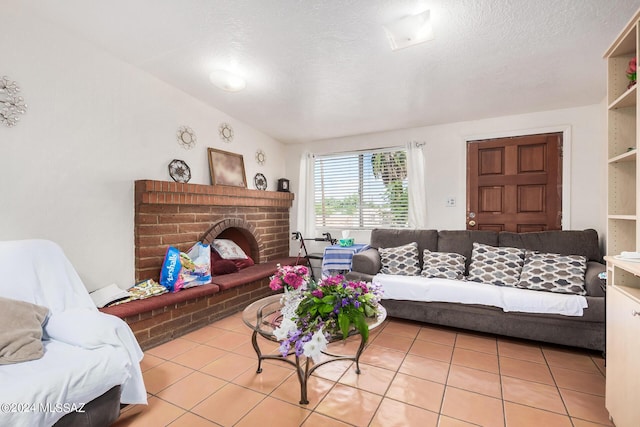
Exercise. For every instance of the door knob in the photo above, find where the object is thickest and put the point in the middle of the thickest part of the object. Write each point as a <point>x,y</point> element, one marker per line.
<point>472,223</point>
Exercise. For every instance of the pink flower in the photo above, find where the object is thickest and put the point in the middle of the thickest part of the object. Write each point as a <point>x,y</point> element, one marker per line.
<point>317,293</point>
<point>359,285</point>
<point>292,279</point>
<point>275,283</point>
<point>332,280</point>
<point>632,66</point>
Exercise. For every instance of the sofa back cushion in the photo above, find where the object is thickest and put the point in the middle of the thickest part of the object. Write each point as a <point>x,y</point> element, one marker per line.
<point>497,266</point>
<point>445,265</point>
<point>565,242</point>
<point>401,260</point>
<point>554,273</point>
<point>461,242</point>
<point>388,238</point>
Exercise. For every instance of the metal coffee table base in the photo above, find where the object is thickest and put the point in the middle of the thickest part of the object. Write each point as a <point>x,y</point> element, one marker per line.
<point>304,369</point>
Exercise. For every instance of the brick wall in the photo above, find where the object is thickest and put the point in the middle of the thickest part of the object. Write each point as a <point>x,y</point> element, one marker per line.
<point>173,214</point>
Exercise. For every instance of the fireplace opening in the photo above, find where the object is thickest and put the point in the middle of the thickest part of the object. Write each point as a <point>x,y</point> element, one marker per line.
<point>240,234</point>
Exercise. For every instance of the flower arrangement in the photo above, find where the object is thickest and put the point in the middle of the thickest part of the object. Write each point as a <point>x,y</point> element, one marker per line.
<point>331,309</point>
<point>290,277</point>
<point>631,72</point>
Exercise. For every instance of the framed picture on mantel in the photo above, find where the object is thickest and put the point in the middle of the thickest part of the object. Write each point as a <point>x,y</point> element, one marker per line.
<point>226,168</point>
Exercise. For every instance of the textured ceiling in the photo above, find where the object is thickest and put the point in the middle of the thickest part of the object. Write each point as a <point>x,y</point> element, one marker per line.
<point>318,69</point>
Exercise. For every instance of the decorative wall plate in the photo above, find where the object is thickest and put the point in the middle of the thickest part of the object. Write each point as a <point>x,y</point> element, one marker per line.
<point>11,105</point>
<point>226,132</point>
<point>260,181</point>
<point>261,157</point>
<point>186,137</point>
<point>179,171</point>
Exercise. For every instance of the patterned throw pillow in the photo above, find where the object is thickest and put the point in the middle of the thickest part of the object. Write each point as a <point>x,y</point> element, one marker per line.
<point>402,260</point>
<point>228,249</point>
<point>562,274</point>
<point>496,266</point>
<point>446,265</point>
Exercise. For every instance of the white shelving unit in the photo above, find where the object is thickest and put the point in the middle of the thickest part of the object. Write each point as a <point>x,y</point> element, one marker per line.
<point>623,232</point>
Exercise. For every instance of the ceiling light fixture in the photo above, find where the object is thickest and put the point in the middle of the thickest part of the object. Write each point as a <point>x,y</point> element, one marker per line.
<point>410,30</point>
<point>228,81</point>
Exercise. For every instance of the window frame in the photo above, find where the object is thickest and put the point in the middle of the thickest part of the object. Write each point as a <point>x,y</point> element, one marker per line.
<point>364,195</point>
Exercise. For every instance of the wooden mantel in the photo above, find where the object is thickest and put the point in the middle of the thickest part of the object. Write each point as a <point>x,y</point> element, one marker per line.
<point>174,193</point>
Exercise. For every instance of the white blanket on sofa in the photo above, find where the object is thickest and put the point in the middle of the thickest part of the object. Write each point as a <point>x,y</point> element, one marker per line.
<point>417,288</point>
<point>86,352</point>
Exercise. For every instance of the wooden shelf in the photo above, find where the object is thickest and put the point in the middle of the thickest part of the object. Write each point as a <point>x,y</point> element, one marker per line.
<point>623,217</point>
<point>629,156</point>
<point>627,99</point>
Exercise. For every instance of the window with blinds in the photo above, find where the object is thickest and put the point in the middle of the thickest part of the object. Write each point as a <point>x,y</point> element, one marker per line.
<point>362,189</point>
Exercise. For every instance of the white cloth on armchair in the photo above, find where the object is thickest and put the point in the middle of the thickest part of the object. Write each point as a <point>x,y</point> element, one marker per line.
<point>86,352</point>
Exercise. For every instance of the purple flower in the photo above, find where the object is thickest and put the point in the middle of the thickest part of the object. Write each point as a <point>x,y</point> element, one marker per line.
<point>317,293</point>
<point>284,348</point>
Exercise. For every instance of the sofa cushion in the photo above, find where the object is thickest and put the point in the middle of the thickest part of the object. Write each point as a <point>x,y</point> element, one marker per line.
<point>566,242</point>
<point>401,260</point>
<point>461,241</point>
<point>387,238</point>
<point>554,273</point>
<point>496,266</point>
<point>447,265</point>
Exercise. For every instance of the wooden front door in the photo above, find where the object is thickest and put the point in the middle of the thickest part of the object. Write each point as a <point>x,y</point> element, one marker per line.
<point>515,184</point>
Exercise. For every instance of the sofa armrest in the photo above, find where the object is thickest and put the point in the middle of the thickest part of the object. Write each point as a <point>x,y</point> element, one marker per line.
<point>367,262</point>
<point>591,280</point>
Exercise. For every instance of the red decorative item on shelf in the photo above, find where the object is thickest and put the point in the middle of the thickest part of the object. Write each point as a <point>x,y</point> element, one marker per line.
<point>631,73</point>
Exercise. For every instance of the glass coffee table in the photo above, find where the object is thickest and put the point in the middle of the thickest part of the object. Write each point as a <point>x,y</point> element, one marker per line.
<point>263,316</point>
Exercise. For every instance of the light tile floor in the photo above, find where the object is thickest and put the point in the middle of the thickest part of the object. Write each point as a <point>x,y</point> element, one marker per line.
<point>412,375</point>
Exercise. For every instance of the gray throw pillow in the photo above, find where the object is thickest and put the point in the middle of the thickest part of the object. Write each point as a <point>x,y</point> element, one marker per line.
<point>445,265</point>
<point>562,274</point>
<point>497,266</point>
<point>401,260</point>
<point>21,332</point>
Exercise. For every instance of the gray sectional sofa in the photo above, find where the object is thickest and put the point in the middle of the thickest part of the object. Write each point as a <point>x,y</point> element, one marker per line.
<point>587,331</point>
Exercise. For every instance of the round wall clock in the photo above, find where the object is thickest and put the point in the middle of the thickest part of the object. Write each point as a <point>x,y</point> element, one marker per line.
<point>260,181</point>
<point>179,171</point>
<point>186,137</point>
<point>261,157</point>
<point>226,132</point>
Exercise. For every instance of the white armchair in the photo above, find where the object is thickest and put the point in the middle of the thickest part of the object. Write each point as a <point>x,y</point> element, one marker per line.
<point>87,354</point>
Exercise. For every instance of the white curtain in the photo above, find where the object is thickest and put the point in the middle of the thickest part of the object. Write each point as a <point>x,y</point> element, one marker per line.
<point>306,212</point>
<point>417,185</point>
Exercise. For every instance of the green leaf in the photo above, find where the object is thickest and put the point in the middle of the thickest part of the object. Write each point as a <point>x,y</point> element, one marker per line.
<point>344,322</point>
<point>361,325</point>
<point>329,299</point>
<point>368,311</point>
<point>325,308</point>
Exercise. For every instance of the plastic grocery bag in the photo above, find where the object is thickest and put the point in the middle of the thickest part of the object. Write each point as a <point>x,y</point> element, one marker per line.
<point>196,269</point>
<point>170,274</point>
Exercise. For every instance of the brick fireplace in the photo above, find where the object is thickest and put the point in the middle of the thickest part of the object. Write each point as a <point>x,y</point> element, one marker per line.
<point>174,214</point>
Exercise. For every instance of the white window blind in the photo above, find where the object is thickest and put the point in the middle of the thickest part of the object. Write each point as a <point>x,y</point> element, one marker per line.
<point>361,190</point>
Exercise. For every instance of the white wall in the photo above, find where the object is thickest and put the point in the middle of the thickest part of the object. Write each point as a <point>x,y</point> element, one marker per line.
<point>94,125</point>
<point>446,161</point>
